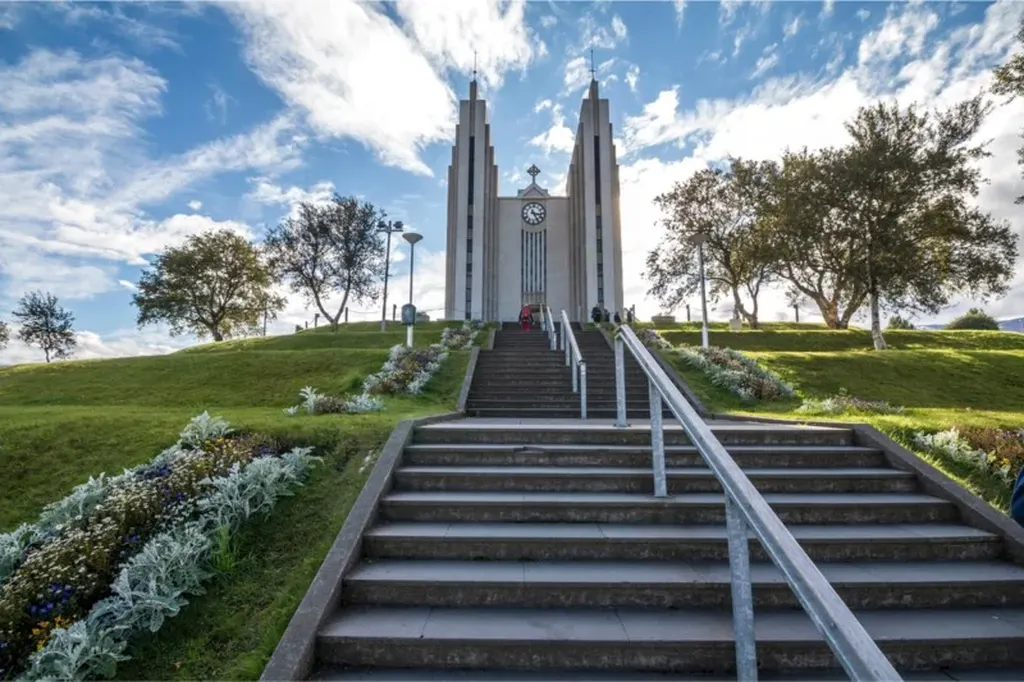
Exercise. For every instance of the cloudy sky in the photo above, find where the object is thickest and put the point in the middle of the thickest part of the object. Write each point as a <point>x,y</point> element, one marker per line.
<point>126,127</point>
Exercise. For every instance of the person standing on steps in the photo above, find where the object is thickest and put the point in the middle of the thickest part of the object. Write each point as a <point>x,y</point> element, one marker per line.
<point>1017,500</point>
<point>525,318</point>
<point>595,314</point>
<point>617,319</point>
<point>629,316</point>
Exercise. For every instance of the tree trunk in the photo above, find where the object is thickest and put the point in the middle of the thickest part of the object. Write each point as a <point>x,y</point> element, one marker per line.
<point>741,310</point>
<point>46,352</point>
<point>829,312</point>
<point>215,333</point>
<point>341,310</point>
<point>876,313</point>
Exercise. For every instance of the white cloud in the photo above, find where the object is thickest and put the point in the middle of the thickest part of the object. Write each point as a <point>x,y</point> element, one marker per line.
<point>863,13</point>
<point>557,138</point>
<point>594,35</point>
<point>766,62</point>
<point>91,346</point>
<point>577,74</point>
<point>351,71</point>
<point>548,20</point>
<point>130,286</point>
<point>797,111</point>
<point>631,77</point>
<point>542,105</point>
<point>75,181</point>
<point>217,106</point>
<point>195,204</point>
<point>680,9</point>
<point>828,7</point>
<point>792,28</point>
<point>145,35</point>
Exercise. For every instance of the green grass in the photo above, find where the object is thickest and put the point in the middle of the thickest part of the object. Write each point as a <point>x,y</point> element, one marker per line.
<point>61,423</point>
<point>942,379</point>
<point>815,340</point>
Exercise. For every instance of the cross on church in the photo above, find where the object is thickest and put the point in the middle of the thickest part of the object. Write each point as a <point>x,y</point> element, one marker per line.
<point>534,172</point>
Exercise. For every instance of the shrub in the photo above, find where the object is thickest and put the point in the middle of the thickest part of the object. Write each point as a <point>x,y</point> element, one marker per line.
<point>462,338</point>
<point>407,370</point>
<point>319,403</point>
<point>975,318</point>
<point>734,372</point>
<point>899,322</point>
<point>843,403</point>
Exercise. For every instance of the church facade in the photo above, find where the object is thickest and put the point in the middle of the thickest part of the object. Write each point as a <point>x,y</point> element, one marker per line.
<point>533,248</point>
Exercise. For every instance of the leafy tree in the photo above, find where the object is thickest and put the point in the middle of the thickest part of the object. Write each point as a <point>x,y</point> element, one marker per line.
<point>46,324</point>
<point>216,284</point>
<point>975,318</point>
<point>1009,80</point>
<point>329,249</point>
<point>5,334</point>
<point>899,322</point>
<point>903,193</point>
<point>802,234</point>
<point>710,203</point>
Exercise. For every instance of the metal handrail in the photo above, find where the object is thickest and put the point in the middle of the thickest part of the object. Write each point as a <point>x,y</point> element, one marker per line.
<point>549,323</point>
<point>574,361</point>
<point>745,509</point>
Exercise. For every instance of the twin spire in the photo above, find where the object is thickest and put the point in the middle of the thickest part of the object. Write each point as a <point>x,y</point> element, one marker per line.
<point>593,78</point>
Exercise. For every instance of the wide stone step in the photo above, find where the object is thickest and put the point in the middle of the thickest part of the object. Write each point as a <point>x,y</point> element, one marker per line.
<point>340,673</point>
<point>689,508</point>
<point>569,399</point>
<point>666,640</point>
<point>675,585</point>
<point>539,412</point>
<point>646,542</point>
<point>586,432</point>
<point>640,479</point>
<point>630,456</point>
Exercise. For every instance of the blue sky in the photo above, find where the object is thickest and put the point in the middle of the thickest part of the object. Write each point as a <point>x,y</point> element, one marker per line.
<point>125,127</point>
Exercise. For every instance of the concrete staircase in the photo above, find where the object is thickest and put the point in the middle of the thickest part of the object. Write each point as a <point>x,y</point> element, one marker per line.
<point>536,551</point>
<point>522,377</point>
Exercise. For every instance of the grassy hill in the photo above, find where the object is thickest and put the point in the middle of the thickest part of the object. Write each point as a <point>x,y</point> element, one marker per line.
<point>64,422</point>
<point>942,379</point>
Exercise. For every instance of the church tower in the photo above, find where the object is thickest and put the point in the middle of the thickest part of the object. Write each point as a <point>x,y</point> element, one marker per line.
<point>533,248</point>
<point>472,199</point>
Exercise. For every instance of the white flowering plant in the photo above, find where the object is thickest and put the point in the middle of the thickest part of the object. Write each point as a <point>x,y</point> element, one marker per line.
<point>462,338</point>
<point>731,370</point>
<point>58,568</point>
<point>844,403</point>
<point>405,372</point>
<point>993,451</point>
<point>154,584</point>
<point>652,339</point>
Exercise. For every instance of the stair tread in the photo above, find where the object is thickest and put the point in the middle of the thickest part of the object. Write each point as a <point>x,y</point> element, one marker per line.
<point>937,532</point>
<point>639,450</point>
<point>680,472</point>
<point>337,673</point>
<point>488,626</point>
<point>613,573</point>
<point>451,497</point>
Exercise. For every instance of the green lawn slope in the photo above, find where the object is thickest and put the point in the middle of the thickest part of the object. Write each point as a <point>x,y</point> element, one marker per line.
<point>64,422</point>
<point>942,379</point>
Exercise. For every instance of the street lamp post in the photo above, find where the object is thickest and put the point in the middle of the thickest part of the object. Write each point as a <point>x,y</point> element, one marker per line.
<point>699,240</point>
<point>412,238</point>
<point>388,228</point>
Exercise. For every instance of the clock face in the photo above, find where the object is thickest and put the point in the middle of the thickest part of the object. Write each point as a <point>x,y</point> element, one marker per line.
<point>533,213</point>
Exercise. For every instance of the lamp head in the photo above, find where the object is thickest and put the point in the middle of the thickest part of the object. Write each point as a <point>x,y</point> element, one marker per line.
<point>699,239</point>
<point>397,227</point>
<point>412,237</point>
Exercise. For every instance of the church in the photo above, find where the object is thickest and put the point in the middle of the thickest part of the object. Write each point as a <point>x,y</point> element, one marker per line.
<point>533,248</point>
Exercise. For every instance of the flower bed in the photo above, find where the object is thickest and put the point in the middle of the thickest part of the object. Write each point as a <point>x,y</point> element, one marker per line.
<point>843,403</point>
<point>118,555</point>
<point>406,372</point>
<point>736,373</point>
<point>996,452</point>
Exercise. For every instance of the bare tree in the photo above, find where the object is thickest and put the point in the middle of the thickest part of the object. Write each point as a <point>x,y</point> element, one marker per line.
<point>46,324</point>
<point>329,249</point>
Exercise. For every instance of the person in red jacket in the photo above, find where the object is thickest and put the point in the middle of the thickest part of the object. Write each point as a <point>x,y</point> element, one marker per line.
<point>525,318</point>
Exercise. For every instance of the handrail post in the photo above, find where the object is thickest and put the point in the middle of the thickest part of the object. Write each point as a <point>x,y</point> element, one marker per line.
<point>620,383</point>
<point>742,594</point>
<point>657,441</point>
<point>574,367</point>
<point>583,390</point>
